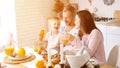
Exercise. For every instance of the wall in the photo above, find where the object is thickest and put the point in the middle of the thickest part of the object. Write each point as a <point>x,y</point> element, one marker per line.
<point>103,10</point>
<point>31,16</point>
<point>0,12</point>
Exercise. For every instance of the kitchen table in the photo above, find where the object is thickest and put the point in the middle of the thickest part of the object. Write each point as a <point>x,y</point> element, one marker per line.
<point>107,66</point>
<point>29,64</point>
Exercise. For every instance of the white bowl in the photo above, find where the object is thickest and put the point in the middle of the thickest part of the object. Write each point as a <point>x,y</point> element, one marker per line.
<point>53,51</point>
<point>77,61</point>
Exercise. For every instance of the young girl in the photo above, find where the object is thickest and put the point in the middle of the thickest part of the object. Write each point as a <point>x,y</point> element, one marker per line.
<point>53,35</point>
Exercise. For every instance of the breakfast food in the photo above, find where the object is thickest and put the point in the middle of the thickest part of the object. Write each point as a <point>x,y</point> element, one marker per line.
<point>55,60</point>
<point>42,48</point>
<point>44,55</point>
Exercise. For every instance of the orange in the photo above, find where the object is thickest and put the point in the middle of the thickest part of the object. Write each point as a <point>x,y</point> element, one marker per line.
<point>21,52</point>
<point>40,64</point>
<point>9,50</point>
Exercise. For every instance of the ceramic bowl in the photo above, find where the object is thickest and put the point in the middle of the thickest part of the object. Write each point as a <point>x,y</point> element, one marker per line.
<point>77,61</point>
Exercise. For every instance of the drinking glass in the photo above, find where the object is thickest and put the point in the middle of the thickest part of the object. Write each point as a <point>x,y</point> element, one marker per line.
<point>64,41</point>
<point>36,47</point>
<point>9,50</point>
<point>41,34</point>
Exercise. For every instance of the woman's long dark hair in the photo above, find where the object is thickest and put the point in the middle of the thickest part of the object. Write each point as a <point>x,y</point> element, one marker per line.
<point>87,23</point>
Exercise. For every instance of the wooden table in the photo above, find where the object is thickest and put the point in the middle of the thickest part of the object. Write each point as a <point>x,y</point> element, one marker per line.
<point>107,66</point>
<point>30,64</point>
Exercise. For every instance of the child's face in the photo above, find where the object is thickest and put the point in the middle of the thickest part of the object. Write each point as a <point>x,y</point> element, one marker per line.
<point>56,25</point>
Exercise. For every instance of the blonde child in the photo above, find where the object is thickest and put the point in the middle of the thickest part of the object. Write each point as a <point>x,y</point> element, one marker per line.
<point>53,35</point>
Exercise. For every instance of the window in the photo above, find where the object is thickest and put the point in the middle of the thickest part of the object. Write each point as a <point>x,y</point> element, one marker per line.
<point>7,20</point>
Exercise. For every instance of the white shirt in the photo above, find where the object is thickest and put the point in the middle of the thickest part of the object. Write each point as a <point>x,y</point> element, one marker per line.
<point>73,31</point>
<point>53,41</point>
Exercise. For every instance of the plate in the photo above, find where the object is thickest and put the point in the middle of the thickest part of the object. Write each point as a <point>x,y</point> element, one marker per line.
<point>19,58</point>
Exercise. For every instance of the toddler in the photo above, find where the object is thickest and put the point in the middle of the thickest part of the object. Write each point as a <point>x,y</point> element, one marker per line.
<point>53,35</point>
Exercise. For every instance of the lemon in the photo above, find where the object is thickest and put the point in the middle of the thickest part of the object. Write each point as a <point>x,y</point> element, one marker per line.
<point>40,64</point>
<point>36,49</point>
<point>21,52</point>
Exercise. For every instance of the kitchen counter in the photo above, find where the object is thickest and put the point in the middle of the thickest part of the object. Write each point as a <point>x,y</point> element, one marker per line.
<point>117,23</point>
<point>114,24</point>
<point>111,33</point>
<point>107,66</point>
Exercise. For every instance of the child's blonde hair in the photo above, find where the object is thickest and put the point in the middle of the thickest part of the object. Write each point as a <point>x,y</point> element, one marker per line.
<point>50,21</point>
<point>55,18</point>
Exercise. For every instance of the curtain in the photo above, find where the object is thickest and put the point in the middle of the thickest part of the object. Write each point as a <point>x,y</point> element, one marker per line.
<point>7,21</point>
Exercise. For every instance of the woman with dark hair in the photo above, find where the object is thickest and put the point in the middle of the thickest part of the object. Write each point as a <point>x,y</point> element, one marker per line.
<point>91,36</point>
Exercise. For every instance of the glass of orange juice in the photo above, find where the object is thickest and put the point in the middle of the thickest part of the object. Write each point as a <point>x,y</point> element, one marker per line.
<point>64,41</point>
<point>9,50</point>
<point>41,34</point>
<point>36,49</point>
<point>36,46</point>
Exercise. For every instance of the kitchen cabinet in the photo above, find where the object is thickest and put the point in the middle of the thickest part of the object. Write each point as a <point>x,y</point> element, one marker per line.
<point>111,37</point>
